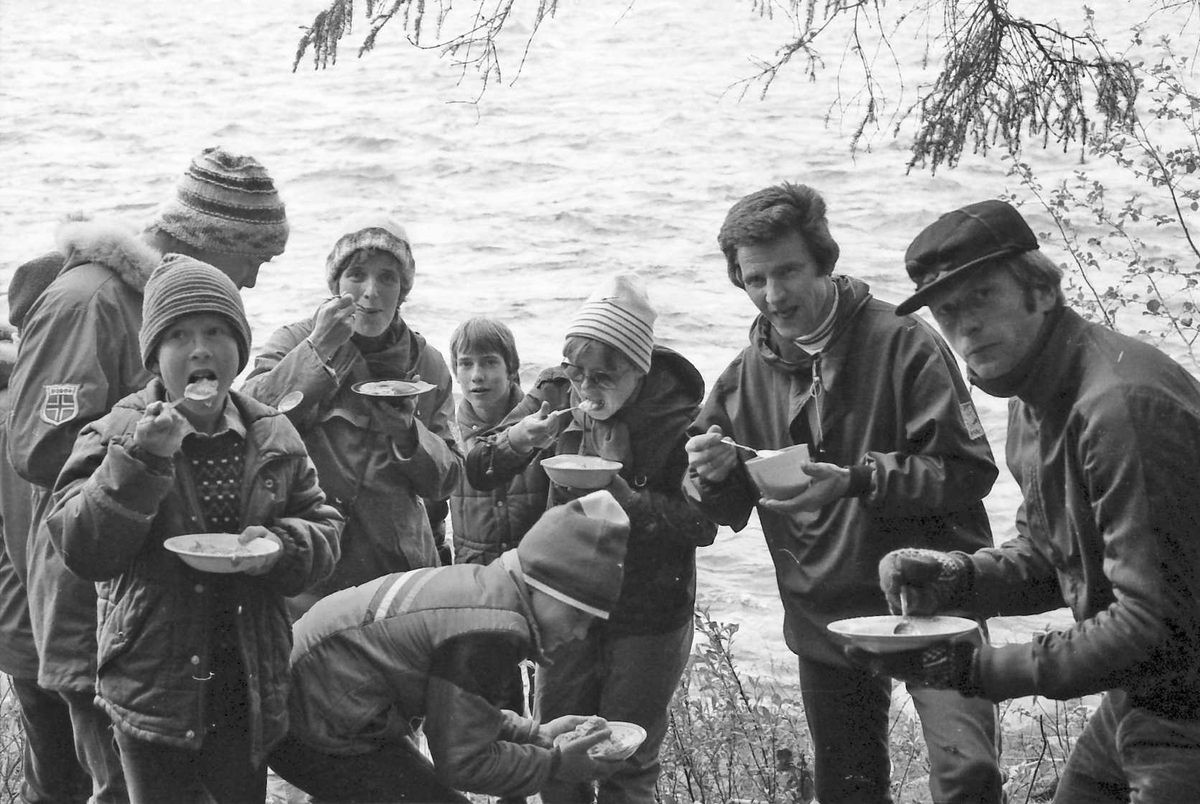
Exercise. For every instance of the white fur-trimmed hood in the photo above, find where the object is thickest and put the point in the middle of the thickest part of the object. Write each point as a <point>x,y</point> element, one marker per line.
<point>110,242</point>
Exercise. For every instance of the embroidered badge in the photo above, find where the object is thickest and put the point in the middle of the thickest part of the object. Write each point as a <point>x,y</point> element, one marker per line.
<point>60,403</point>
<point>971,420</point>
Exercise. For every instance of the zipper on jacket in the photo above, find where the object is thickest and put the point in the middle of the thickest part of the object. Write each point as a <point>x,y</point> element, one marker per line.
<point>816,391</point>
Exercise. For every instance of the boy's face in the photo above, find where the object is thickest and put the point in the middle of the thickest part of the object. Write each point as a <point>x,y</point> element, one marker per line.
<point>483,378</point>
<point>198,347</point>
<point>558,622</point>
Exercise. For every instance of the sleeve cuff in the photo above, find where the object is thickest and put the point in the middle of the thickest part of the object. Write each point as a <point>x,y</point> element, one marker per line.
<point>862,477</point>
<point>155,464</point>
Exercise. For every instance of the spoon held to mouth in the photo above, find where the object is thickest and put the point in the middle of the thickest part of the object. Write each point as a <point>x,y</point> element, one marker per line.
<point>757,453</point>
<point>584,406</point>
<point>200,391</point>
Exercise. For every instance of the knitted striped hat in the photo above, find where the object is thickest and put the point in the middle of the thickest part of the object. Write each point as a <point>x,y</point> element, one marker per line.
<point>619,314</point>
<point>371,232</point>
<point>226,203</point>
<point>576,553</point>
<point>183,286</point>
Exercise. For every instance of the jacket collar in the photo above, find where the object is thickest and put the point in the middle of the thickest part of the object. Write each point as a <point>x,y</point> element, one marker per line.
<point>110,243</point>
<point>1048,373</point>
<point>853,295</point>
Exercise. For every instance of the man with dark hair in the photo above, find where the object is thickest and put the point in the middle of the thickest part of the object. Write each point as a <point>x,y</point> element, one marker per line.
<point>1104,441</point>
<point>79,355</point>
<point>898,459</point>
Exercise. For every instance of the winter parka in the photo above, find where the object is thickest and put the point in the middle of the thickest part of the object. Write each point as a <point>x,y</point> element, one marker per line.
<point>885,392</point>
<point>1104,441</point>
<point>78,357</point>
<point>658,592</point>
<point>378,491</point>
<point>438,647</point>
<point>111,514</point>
<point>488,523</point>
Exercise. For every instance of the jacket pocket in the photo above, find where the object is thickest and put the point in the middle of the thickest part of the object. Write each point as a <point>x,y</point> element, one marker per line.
<point>122,615</point>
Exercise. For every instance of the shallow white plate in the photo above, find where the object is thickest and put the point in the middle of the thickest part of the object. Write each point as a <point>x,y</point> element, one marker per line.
<point>220,552</point>
<point>877,633</point>
<point>392,388</point>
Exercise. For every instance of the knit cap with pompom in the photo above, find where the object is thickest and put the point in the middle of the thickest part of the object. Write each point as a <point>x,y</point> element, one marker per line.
<point>619,314</point>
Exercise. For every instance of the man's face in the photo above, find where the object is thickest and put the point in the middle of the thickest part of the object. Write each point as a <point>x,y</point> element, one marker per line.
<point>241,268</point>
<point>989,320</point>
<point>785,283</point>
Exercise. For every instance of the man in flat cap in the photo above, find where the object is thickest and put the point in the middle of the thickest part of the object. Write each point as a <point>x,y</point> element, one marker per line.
<point>1104,441</point>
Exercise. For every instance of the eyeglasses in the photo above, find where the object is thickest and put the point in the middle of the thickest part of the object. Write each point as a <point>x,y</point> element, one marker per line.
<point>599,379</point>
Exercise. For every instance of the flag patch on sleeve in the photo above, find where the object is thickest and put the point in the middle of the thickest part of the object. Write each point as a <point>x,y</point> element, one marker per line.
<point>970,419</point>
<point>60,403</point>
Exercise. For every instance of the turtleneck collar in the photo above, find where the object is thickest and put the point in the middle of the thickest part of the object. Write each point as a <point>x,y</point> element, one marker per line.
<point>851,295</point>
<point>1014,381</point>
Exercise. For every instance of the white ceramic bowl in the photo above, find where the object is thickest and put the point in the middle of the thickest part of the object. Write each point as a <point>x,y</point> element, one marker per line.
<point>779,476</point>
<point>580,471</point>
<point>221,552</point>
<point>878,634</point>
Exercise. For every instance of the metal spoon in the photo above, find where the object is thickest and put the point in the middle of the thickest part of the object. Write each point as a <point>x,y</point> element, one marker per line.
<point>905,625</point>
<point>758,453</point>
<point>584,406</point>
<point>204,391</point>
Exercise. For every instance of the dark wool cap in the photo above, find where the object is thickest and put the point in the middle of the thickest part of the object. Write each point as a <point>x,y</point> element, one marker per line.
<point>576,553</point>
<point>183,286</point>
<point>227,203</point>
<point>29,281</point>
<point>960,240</point>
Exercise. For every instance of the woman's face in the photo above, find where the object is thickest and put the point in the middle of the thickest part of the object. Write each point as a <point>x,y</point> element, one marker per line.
<point>606,380</point>
<point>375,280</point>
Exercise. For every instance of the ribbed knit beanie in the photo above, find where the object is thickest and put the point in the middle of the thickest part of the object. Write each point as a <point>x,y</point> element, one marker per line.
<point>28,282</point>
<point>371,231</point>
<point>619,314</point>
<point>183,286</point>
<point>226,203</point>
<point>576,553</point>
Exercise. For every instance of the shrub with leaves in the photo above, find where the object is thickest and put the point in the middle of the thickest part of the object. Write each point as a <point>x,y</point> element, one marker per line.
<point>732,738</point>
<point>12,745</point>
<point>1115,276</point>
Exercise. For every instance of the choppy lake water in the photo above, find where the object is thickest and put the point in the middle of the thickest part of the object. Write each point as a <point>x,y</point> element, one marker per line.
<point>621,146</point>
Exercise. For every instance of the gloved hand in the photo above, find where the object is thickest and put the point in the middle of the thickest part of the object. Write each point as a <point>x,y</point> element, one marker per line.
<point>934,581</point>
<point>943,665</point>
